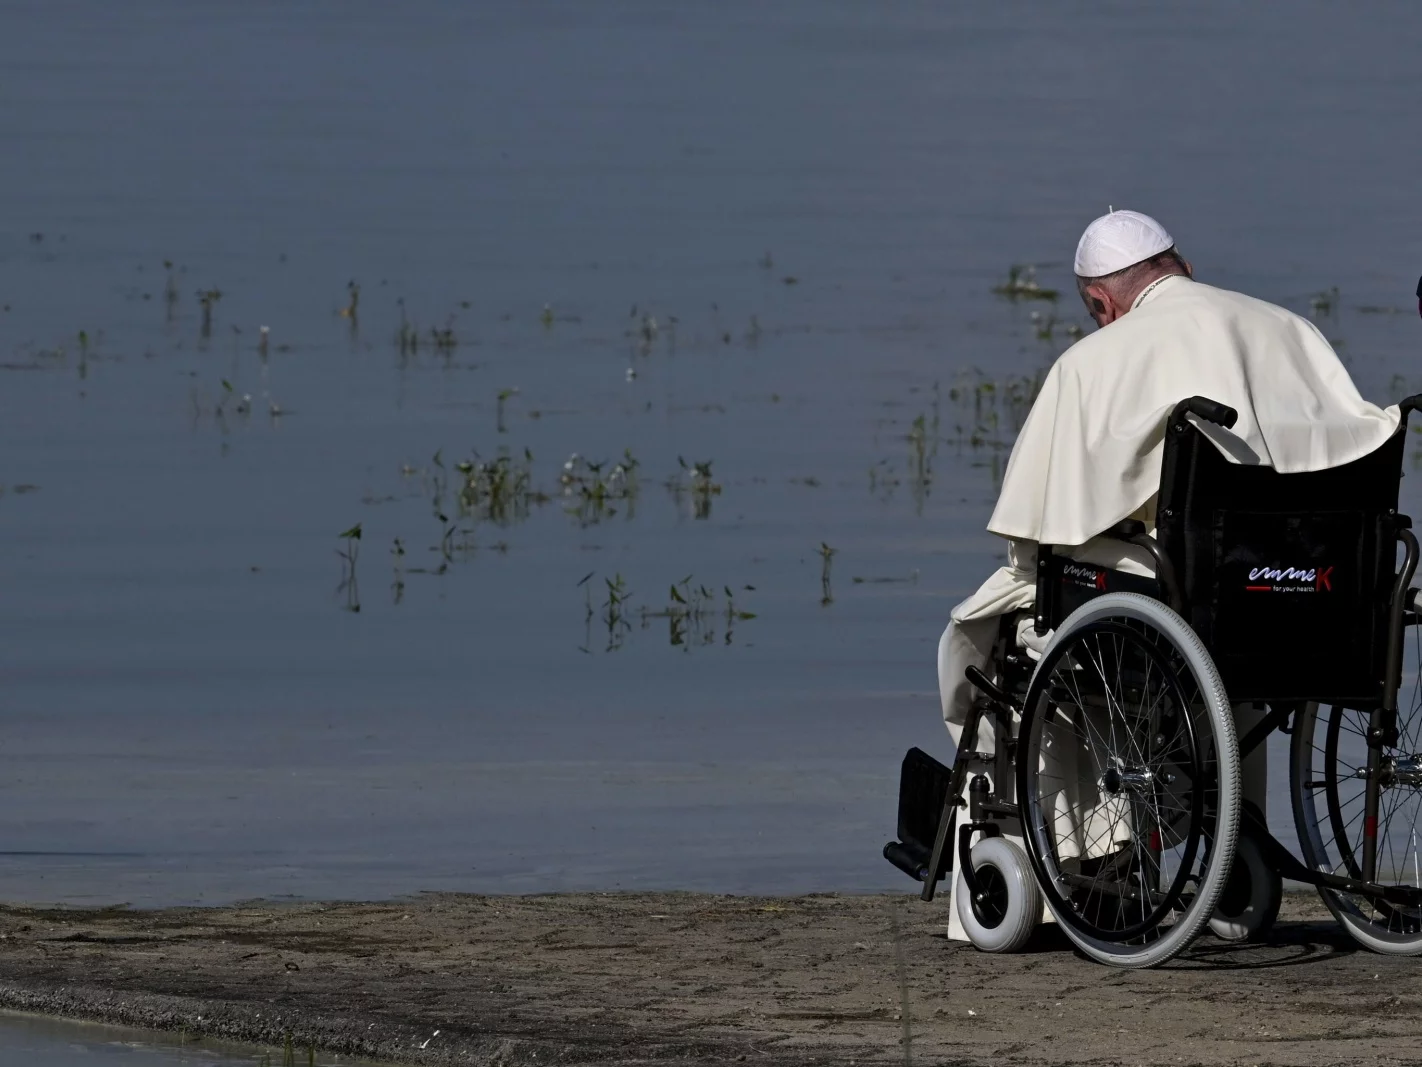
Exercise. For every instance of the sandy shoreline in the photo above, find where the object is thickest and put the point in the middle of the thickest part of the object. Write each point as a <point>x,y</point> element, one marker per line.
<point>676,977</point>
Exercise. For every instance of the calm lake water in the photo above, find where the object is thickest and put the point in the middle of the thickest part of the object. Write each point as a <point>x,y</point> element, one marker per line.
<point>759,237</point>
<point>30,1039</point>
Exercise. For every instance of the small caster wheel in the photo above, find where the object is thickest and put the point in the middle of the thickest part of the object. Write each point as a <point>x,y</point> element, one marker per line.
<point>1008,904</point>
<point>1250,901</point>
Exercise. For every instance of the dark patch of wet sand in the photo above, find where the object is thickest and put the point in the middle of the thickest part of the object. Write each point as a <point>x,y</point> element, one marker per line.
<point>673,977</point>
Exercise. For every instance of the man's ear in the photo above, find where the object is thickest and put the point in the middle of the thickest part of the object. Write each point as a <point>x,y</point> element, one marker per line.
<point>1189,270</point>
<point>1094,303</point>
<point>1103,305</point>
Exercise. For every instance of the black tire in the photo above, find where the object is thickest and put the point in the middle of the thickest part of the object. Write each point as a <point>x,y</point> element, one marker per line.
<point>1128,780</point>
<point>1327,754</point>
<point>1009,904</point>
<point>1251,898</point>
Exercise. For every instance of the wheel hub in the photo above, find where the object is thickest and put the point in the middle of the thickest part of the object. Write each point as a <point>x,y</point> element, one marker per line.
<point>991,900</point>
<point>1121,777</point>
<point>1405,770</point>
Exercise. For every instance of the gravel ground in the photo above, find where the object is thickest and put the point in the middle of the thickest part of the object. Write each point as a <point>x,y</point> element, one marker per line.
<point>677,977</point>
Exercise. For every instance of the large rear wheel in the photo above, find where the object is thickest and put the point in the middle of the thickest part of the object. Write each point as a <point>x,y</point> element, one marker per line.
<point>1329,783</point>
<point>1128,780</point>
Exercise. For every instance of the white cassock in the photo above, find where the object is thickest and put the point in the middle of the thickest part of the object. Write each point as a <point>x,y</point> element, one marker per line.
<point>1089,453</point>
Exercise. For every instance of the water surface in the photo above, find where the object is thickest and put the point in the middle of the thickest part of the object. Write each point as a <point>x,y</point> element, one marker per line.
<point>31,1039</point>
<point>812,201</point>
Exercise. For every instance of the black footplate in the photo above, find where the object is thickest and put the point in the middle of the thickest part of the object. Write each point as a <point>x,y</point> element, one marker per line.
<point>923,785</point>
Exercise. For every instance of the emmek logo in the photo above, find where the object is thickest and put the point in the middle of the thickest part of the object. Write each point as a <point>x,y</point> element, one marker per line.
<point>1290,580</point>
<point>1093,577</point>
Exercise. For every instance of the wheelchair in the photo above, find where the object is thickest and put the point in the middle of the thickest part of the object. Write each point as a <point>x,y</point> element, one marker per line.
<point>1115,758</point>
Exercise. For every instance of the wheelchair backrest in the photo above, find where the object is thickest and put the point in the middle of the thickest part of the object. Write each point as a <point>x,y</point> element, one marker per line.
<point>1287,578</point>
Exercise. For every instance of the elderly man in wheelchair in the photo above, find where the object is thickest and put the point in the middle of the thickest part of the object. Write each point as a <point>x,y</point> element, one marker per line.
<point>1204,546</point>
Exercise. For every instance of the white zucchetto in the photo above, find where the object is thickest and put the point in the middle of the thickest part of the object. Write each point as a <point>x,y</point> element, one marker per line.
<point>1119,240</point>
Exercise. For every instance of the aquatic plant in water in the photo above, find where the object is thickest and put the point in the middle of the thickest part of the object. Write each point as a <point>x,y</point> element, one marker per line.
<point>397,586</point>
<point>594,492</point>
<point>1022,284</point>
<point>207,300</point>
<point>827,554</point>
<point>352,309</point>
<point>1325,303</point>
<point>612,614</point>
<point>695,483</point>
<point>990,411</point>
<point>692,615</point>
<point>498,490</point>
<point>349,553</point>
<point>696,615</point>
<point>504,396</point>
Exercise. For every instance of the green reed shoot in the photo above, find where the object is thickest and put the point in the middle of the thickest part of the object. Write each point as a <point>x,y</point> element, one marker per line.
<point>407,338</point>
<point>349,553</point>
<point>691,613</point>
<point>352,309</point>
<point>614,611</point>
<point>207,300</point>
<point>827,554</point>
<point>397,586</point>
<point>587,592</point>
<point>504,396</point>
<point>170,292</point>
<point>696,481</point>
<point>445,340</point>
<point>990,411</point>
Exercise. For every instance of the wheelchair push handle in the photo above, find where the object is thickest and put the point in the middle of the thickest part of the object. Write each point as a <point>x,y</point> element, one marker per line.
<point>1209,410</point>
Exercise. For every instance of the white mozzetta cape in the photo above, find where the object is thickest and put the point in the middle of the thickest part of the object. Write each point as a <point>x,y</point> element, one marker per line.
<point>1089,453</point>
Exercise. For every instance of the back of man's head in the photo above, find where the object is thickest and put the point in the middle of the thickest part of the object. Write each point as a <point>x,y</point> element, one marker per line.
<point>1120,254</point>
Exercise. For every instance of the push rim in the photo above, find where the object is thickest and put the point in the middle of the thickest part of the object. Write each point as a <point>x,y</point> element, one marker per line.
<point>1127,705</point>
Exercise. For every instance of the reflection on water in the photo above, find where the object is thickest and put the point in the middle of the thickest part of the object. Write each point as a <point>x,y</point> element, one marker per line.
<point>32,1039</point>
<point>515,329</point>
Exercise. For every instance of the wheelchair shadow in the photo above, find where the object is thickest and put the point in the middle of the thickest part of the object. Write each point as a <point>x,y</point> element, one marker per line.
<point>1288,944</point>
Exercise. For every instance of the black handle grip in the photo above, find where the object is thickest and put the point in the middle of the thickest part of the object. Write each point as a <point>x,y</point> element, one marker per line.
<point>1212,411</point>
<point>1412,403</point>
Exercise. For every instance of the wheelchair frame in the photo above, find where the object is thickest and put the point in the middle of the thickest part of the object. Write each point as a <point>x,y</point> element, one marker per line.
<point>1002,699</point>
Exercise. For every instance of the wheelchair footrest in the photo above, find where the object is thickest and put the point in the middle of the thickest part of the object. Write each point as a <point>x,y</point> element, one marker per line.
<point>923,785</point>
<point>909,857</point>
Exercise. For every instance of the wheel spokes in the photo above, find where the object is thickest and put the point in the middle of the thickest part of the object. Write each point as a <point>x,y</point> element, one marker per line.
<point>1118,809</point>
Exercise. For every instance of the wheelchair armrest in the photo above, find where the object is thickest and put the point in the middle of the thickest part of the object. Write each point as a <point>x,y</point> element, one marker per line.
<point>1133,531</point>
<point>1126,530</point>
